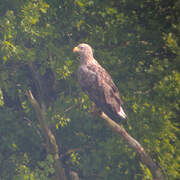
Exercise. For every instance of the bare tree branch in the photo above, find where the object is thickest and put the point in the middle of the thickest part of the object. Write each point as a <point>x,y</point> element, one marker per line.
<point>52,146</point>
<point>74,175</point>
<point>135,145</point>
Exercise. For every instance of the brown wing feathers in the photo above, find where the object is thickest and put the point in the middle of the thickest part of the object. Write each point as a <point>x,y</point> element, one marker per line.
<point>97,83</point>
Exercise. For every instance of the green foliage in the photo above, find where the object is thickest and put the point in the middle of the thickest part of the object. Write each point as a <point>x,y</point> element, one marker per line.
<point>43,171</point>
<point>136,41</point>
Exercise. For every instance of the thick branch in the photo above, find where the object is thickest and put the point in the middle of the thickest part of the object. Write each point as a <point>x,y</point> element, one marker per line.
<point>135,145</point>
<point>52,147</point>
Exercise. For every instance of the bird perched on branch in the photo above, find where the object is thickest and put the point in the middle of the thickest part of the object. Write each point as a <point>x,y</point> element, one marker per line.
<point>98,84</point>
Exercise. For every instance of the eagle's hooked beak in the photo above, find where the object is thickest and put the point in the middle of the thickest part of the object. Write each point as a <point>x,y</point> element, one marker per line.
<point>76,49</point>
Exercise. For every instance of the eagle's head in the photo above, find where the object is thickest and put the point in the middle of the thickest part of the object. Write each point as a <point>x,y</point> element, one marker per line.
<point>84,51</point>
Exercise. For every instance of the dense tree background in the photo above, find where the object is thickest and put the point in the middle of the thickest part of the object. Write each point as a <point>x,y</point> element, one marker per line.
<point>138,42</point>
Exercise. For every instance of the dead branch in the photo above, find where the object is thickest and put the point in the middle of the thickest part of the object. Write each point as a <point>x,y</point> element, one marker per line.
<point>52,146</point>
<point>135,145</point>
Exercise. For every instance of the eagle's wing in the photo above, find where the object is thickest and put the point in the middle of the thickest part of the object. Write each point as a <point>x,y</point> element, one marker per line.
<point>98,85</point>
<point>105,80</point>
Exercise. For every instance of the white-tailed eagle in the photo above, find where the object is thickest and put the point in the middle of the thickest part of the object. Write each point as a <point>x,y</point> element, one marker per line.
<point>97,83</point>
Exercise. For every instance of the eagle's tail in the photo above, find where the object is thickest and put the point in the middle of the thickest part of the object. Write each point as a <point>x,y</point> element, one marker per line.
<point>122,113</point>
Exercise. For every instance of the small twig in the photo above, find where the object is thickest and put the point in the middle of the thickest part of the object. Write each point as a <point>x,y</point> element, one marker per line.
<point>69,108</point>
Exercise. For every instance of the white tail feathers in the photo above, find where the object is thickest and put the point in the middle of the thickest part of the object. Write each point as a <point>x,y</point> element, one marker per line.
<point>122,113</point>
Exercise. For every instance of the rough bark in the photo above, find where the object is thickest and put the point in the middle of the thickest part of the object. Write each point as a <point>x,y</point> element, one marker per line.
<point>136,146</point>
<point>52,146</point>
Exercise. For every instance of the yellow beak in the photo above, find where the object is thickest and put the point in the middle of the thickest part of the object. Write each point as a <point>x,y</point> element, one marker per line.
<point>76,49</point>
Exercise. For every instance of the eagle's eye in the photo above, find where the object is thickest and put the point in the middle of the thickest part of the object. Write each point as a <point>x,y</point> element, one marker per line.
<point>81,47</point>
